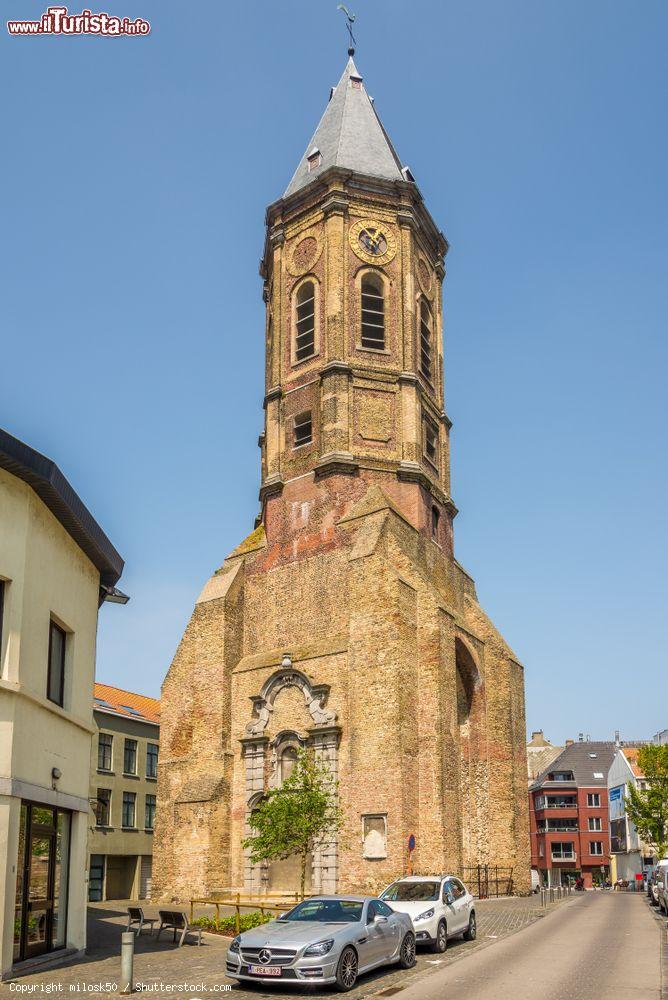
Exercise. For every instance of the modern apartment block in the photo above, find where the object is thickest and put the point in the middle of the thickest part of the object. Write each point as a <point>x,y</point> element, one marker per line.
<point>56,568</point>
<point>123,790</point>
<point>569,819</point>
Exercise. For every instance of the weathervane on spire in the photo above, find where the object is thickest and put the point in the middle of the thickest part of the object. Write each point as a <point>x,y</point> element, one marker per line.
<point>350,20</point>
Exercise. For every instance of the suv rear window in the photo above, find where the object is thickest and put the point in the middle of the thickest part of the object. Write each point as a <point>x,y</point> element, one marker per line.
<point>408,892</point>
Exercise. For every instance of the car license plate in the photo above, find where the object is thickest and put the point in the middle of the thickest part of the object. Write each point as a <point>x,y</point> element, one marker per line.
<point>264,970</point>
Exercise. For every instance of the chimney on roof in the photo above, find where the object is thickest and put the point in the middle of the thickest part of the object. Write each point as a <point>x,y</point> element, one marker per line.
<point>569,743</point>
<point>617,743</point>
<point>536,734</point>
<point>581,737</point>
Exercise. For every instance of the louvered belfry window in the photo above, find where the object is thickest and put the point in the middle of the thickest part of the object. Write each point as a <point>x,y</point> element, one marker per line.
<point>426,341</point>
<point>373,312</point>
<point>305,322</point>
<point>303,429</point>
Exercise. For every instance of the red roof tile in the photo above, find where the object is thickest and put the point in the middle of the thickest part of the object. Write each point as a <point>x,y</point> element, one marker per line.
<point>631,754</point>
<point>120,701</point>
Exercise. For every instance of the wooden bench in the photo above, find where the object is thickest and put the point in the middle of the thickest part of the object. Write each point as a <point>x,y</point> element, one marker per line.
<point>137,920</point>
<point>178,922</point>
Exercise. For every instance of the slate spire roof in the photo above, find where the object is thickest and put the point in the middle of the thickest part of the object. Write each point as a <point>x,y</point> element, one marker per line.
<point>350,135</point>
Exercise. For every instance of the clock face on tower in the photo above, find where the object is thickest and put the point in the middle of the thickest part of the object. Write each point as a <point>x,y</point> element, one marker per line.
<point>372,241</point>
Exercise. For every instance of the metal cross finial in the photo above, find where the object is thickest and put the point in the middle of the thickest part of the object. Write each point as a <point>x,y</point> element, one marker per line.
<point>350,20</point>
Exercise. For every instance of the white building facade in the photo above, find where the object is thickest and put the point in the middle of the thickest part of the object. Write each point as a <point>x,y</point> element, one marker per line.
<point>626,860</point>
<point>56,567</point>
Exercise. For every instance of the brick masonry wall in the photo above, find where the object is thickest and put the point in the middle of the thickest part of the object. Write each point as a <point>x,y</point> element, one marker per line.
<point>345,575</point>
<point>372,609</point>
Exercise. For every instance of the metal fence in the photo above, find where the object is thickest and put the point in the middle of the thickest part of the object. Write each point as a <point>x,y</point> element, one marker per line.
<point>485,881</point>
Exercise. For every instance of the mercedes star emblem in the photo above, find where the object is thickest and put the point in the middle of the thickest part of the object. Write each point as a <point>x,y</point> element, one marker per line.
<point>265,956</point>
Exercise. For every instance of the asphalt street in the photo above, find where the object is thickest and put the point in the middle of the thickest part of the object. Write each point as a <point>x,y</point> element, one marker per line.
<point>606,946</point>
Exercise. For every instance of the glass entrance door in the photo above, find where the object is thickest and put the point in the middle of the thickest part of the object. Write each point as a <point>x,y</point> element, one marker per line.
<point>42,880</point>
<point>39,909</point>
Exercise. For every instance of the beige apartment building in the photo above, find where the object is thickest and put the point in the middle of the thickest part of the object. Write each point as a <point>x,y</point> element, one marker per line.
<point>56,568</point>
<point>123,790</point>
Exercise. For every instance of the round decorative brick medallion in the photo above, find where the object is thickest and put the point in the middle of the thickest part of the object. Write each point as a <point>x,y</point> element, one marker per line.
<point>304,255</point>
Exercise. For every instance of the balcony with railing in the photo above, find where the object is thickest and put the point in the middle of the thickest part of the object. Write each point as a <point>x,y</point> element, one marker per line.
<point>556,802</point>
<point>564,852</point>
<point>558,826</point>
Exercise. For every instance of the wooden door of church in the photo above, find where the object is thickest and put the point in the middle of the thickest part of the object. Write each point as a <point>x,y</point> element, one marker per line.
<point>285,876</point>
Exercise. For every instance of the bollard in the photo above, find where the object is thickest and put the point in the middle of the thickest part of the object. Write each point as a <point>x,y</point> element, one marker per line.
<point>543,899</point>
<point>127,961</point>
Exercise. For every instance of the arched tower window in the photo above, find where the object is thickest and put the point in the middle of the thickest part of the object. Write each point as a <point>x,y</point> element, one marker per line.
<point>373,312</point>
<point>426,340</point>
<point>467,680</point>
<point>304,341</point>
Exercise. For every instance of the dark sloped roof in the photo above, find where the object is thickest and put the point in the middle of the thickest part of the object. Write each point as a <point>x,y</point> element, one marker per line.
<point>350,135</point>
<point>578,759</point>
<point>53,489</point>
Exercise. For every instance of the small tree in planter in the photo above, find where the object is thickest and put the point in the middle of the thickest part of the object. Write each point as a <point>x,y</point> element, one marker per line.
<point>300,816</point>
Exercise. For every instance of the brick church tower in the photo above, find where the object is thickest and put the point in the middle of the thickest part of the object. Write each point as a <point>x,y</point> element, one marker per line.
<point>344,623</point>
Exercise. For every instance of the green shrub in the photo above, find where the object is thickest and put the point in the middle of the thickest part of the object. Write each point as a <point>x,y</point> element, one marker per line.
<point>227,925</point>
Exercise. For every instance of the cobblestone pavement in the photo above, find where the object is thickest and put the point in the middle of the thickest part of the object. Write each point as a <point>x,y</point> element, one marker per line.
<point>197,972</point>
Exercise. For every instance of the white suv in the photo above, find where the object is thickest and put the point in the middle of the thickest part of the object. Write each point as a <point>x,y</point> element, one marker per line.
<point>440,907</point>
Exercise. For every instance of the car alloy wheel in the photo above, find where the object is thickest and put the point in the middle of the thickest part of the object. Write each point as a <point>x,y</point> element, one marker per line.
<point>346,972</point>
<point>469,935</point>
<point>441,937</point>
<point>407,955</point>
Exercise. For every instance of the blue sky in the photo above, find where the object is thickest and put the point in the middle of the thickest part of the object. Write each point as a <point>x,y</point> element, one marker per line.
<point>135,177</point>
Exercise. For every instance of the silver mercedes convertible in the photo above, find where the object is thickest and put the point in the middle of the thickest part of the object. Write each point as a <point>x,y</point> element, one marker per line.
<point>325,939</point>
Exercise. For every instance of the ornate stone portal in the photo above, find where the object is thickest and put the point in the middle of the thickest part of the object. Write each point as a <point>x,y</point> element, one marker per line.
<point>395,675</point>
<point>314,698</point>
<point>264,759</point>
